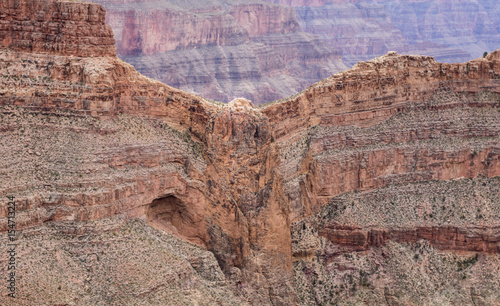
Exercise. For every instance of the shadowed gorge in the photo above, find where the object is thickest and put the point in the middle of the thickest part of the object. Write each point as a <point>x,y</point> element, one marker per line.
<point>379,184</point>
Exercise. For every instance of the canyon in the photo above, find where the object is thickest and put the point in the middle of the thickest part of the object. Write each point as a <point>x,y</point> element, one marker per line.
<point>379,184</point>
<point>272,49</point>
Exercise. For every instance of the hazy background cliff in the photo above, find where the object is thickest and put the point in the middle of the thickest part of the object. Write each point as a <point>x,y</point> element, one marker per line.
<point>221,49</point>
<point>268,50</point>
<point>451,31</point>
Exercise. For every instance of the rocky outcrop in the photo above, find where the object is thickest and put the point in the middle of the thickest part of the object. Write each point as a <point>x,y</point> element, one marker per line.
<point>61,27</point>
<point>275,193</point>
<point>370,90</point>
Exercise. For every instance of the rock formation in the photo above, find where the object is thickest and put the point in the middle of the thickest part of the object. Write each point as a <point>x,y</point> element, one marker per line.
<point>41,26</point>
<point>324,197</point>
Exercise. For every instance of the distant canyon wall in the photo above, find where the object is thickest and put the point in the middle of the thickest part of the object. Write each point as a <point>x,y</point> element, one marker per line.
<point>268,50</point>
<point>221,50</point>
<point>450,31</point>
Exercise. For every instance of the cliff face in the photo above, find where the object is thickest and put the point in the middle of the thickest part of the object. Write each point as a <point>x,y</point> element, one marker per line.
<point>221,49</point>
<point>156,31</point>
<point>450,31</point>
<point>61,27</point>
<point>355,167</point>
<point>325,197</point>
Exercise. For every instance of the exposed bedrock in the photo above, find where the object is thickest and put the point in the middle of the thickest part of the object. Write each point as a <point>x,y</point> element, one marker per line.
<point>56,27</point>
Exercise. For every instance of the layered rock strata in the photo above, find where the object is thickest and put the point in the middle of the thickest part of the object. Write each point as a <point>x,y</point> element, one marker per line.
<point>360,30</point>
<point>445,238</point>
<point>276,193</point>
<point>221,49</point>
<point>63,27</point>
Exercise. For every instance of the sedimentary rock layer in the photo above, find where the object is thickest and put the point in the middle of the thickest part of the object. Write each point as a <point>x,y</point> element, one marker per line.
<point>445,238</point>
<point>60,27</point>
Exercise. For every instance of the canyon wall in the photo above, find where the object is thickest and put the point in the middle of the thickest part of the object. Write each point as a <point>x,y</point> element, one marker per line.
<point>449,31</point>
<point>362,156</point>
<point>320,198</point>
<point>221,49</point>
<point>61,27</point>
<point>226,49</point>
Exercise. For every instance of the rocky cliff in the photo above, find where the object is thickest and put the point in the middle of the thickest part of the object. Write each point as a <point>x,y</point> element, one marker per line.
<point>41,26</point>
<point>221,49</point>
<point>449,31</point>
<point>377,184</point>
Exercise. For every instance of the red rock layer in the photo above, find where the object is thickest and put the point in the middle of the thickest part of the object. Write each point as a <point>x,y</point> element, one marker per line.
<point>480,239</point>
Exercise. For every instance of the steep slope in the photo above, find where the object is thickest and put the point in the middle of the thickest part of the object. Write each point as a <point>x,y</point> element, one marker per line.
<point>115,261</point>
<point>221,49</point>
<point>321,198</point>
